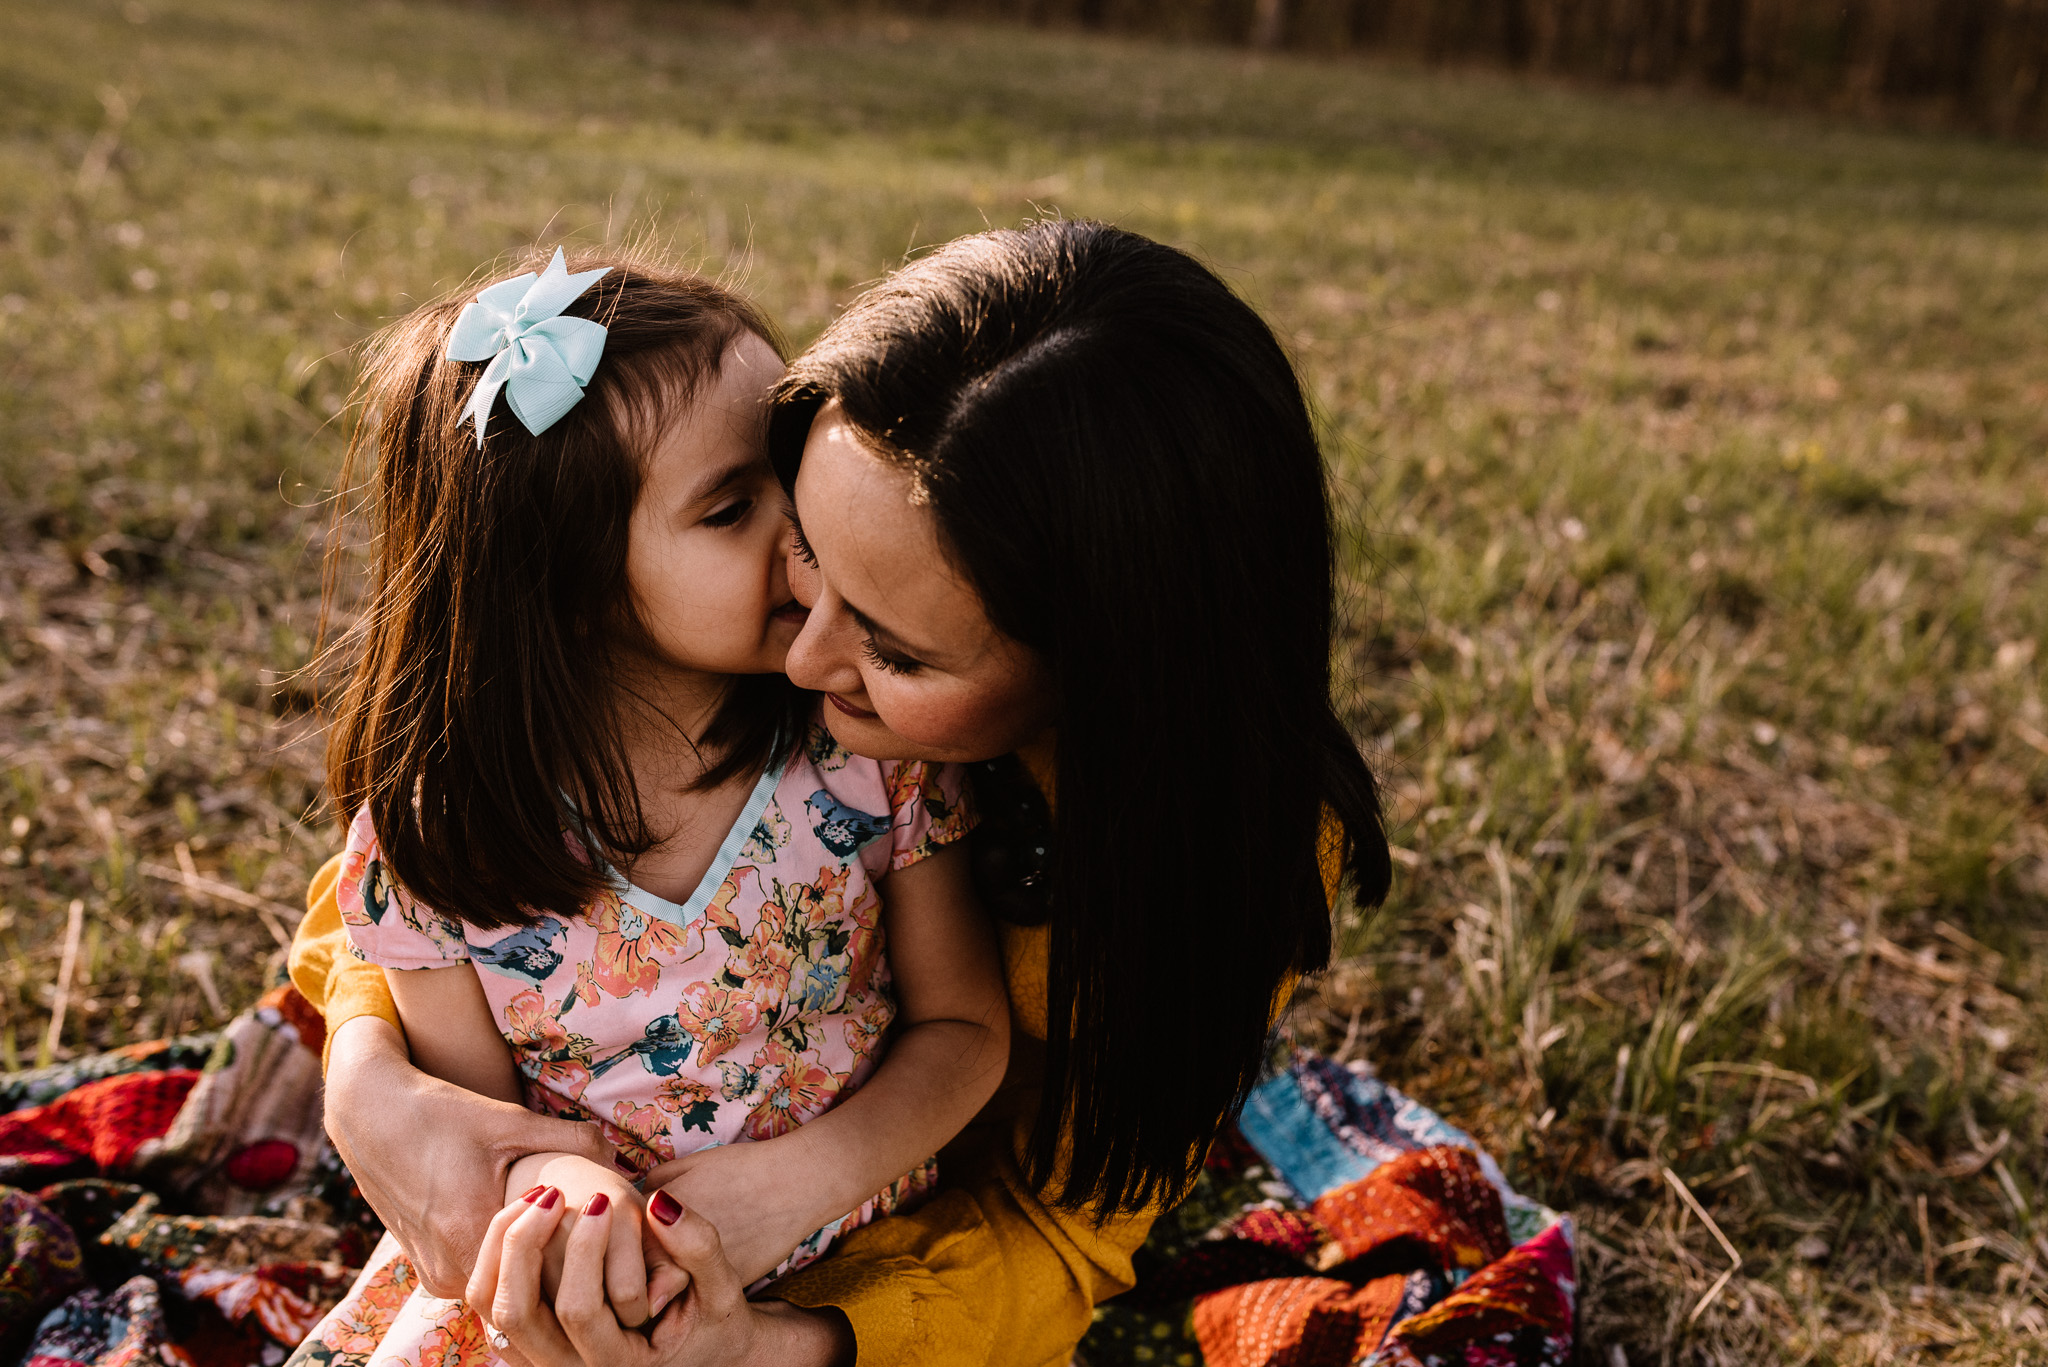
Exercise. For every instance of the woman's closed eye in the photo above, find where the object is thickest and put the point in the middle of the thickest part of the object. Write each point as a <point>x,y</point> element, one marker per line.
<point>886,662</point>
<point>803,546</point>
<point>889,662</point>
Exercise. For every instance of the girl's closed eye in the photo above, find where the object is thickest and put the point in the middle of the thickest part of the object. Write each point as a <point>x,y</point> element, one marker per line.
<point>729,514</point>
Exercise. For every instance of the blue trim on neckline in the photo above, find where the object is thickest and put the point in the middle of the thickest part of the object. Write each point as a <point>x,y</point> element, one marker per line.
<point>685,915</point>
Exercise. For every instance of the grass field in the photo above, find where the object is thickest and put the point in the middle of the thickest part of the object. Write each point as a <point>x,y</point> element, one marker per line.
<point>1694,460</point>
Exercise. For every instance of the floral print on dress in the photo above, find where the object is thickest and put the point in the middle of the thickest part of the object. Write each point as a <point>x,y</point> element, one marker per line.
<point>631,946</point>
<point>739,1015</point>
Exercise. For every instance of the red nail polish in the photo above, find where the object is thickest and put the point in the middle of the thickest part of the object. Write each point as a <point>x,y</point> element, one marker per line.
<point>597,1205</point>
<point>550,1198</point>
<point>665,1208</point>
<point>534,1195</point>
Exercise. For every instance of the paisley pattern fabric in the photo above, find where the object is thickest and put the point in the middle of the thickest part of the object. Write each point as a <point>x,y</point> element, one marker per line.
<point>43,1261</point>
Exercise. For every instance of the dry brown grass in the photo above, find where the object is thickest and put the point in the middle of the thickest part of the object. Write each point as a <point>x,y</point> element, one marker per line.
<point>1695,457</point>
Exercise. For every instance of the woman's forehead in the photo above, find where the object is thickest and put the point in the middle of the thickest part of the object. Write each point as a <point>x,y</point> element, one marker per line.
<point>878,543</point>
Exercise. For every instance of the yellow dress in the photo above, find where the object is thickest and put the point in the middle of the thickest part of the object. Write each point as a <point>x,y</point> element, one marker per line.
<point>984,1272</point>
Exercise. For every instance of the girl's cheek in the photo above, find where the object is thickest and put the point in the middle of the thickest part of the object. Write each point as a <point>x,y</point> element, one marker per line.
<point>803,578</point>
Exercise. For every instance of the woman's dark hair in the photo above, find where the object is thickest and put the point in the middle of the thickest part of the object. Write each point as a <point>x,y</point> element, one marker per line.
<point>485,680</point>
<point>1120,459</point>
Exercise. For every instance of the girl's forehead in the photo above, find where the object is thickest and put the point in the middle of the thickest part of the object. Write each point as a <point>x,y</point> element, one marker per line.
<point>722,422</point>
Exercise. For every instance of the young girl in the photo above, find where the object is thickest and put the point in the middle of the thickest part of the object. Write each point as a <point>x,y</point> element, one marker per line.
<point>618,869</point>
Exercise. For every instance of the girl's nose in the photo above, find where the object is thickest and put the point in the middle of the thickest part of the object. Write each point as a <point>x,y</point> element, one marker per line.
<point>801,576</point>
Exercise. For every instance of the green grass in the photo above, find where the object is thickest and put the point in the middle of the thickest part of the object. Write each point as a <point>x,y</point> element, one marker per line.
<point>1694,466</point>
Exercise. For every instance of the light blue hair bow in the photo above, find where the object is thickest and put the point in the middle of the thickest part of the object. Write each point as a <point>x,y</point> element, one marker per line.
<point>540,359</point>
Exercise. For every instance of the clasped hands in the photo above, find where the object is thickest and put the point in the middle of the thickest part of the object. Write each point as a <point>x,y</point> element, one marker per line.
<point>583,1269</point>
<point>431,1157</point>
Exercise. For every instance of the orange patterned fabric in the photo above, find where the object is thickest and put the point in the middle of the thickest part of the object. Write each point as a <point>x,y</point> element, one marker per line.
<point>1500,1302</point>
<point>1430,1208</point>
<point>1296,1321</point>
<point>1340,1224</point>
<point>1436,1198</point>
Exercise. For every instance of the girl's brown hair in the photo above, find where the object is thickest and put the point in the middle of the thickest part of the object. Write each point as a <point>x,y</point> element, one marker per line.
<point>482,712</point>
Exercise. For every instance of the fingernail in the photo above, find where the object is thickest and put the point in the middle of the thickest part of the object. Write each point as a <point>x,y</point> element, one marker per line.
<point>533,1195</point>
<point>597,1205</point>
<point>550,1198</point>
<point>665,1208</point>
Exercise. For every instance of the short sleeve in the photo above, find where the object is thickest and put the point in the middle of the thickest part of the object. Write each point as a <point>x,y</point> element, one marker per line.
<point>930,806</point>
<point>387,925</point>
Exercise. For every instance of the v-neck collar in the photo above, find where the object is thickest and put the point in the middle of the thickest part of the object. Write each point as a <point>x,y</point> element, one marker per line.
<point>686,913</point>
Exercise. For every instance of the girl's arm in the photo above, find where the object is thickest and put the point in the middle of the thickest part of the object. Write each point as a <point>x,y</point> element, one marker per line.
<point>447,1021</point>
<point>431,1158</point>
<point>946,1055</point>
<point>454,1037</point>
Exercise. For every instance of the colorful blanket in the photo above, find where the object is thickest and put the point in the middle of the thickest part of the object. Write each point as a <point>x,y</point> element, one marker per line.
<point>177,1205</point>
<point>1340,1224</point>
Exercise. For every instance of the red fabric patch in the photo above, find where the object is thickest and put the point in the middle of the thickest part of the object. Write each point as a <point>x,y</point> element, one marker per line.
<point>1434,1202</point>
<point>103,1122</point>
<point>1515,1296</point>
<point>263,1164</point>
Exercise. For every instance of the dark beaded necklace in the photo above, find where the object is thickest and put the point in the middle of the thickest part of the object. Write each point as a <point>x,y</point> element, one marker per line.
<point>1008,852</point>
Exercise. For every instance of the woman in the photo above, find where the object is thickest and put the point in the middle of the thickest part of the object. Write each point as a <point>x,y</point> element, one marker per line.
<point>1063,514</point>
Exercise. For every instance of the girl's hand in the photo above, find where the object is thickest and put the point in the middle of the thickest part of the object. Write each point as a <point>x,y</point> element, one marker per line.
<point>636,1288</point>
<point>714,1325</point>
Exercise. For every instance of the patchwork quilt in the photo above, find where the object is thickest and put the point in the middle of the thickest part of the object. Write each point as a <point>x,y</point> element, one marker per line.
<point>177,1204</point>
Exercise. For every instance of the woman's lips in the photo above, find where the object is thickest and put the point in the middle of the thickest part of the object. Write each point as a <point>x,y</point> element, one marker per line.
<point>848,708</point>
<point>792,611</point>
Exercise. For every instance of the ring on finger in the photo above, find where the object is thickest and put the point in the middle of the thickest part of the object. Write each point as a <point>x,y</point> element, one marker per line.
<point>496,1337</point>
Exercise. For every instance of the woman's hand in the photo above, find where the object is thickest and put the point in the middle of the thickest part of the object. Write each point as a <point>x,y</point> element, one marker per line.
<point>638,1284</point>
<point>431,1158</point>
<point>713,1325</point>
<point>751,1195</point>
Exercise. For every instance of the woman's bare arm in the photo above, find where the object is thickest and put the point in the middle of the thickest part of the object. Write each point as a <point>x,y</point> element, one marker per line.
<point>432,1158</point>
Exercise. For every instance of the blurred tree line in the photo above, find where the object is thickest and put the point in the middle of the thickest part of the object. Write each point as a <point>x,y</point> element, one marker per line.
<point>1981,63</point>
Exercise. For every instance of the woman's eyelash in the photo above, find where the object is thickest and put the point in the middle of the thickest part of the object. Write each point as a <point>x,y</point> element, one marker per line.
<point>885,663</point>
<point>888,664</point>
<point>803,546</point>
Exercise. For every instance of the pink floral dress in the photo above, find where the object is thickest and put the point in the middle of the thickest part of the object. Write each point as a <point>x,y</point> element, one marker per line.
<point>735,1016</point>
